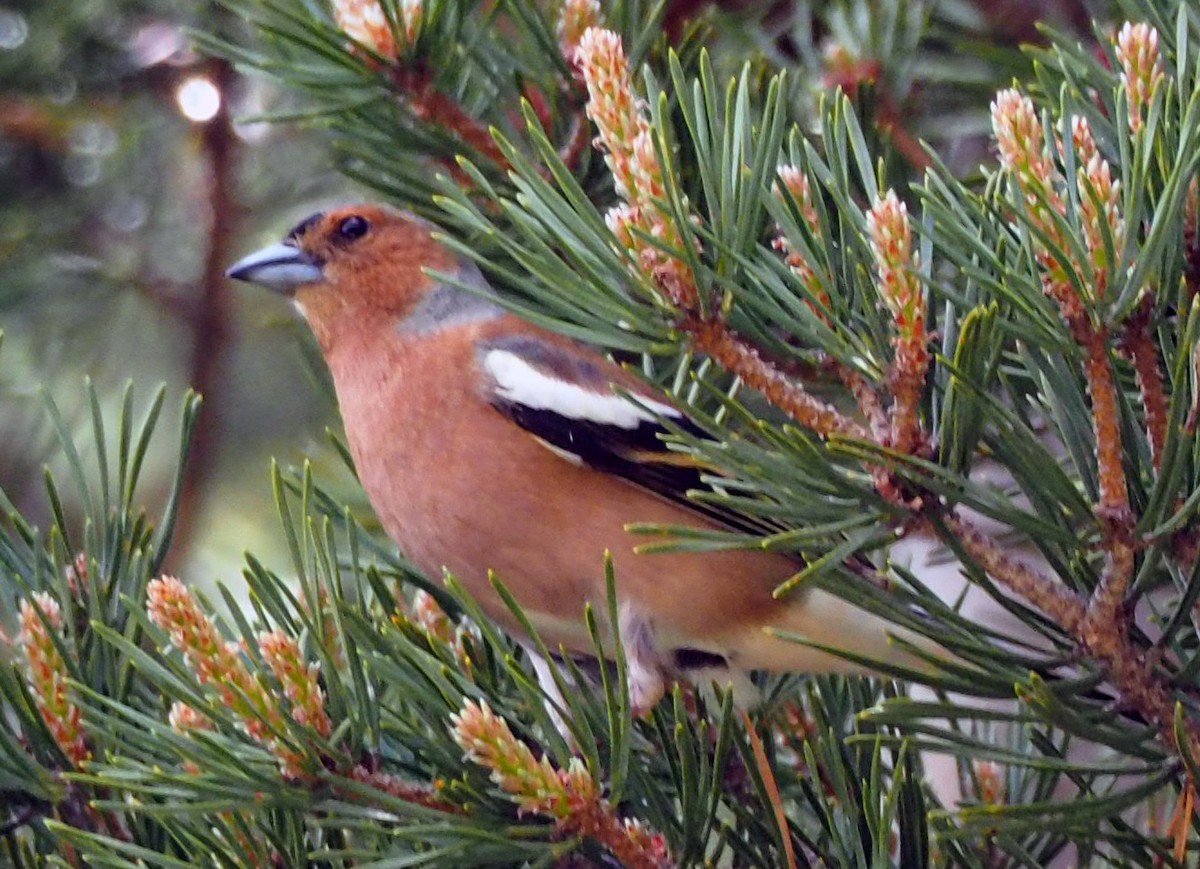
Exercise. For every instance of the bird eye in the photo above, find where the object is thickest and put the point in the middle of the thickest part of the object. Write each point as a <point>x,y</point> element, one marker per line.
<point>353,227</point>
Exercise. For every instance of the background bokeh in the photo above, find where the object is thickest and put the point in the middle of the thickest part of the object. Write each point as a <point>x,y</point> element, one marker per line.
<point>133,170</point>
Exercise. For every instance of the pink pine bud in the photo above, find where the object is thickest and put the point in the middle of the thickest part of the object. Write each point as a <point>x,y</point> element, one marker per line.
<point>183,718</point>
<point>575,18</point>
<point>298,678</point>
<point>487,740</point>
<point>1141,68</point>
<point>1100,213</point>
<point>365,22</point>
<point>895,262</point>
<point>47,676</point>
<point>795,182</point>
<point>1022,148</point>
<point>218,664</point>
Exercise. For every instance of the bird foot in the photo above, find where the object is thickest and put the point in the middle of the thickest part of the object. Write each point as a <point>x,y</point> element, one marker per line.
<point>643,663</point>
<point>554,703</point>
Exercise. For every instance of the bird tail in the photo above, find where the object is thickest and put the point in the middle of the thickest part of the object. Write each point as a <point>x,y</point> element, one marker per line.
<point>826,620</point>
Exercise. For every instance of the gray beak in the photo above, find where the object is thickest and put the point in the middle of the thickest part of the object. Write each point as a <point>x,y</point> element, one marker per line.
<point>279,267</point>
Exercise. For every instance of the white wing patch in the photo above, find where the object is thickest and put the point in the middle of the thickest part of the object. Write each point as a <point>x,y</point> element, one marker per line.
<point>519,382</point>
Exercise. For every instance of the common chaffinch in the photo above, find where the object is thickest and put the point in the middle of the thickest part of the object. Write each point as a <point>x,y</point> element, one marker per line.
<point>485,442</point>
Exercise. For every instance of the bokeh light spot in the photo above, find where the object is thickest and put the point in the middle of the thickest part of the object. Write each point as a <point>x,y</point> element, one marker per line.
<point>13,29</point>
<point>198,99</point>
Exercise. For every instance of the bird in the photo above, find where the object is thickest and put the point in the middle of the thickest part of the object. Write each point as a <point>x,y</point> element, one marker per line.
<point>488,445</point>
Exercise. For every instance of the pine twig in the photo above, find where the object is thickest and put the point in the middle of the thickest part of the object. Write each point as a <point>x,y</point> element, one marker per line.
<point>1139,345</point>
<point>1094,626</point>
<point>900,288</point>
<point>1102,630</point>
<point>1114,494</point>
<point>711,335</point>
<point>1063,606</point>
<point>417,89</point>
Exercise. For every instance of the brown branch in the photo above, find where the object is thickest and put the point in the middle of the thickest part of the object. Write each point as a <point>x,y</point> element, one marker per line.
<point>1114,496</point>
<point>1138,343</point>
<point>430,105</point>
<point>1103,630</point>
<point>209,320</point>
<point>711,335</point>
<point>906,380</point>
<point>1096,627</point>
<point>1062,605</point>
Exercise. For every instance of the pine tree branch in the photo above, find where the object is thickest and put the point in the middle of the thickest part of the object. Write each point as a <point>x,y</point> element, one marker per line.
<point>712,336</point>
<point>1137,342</point>
<point>1096,626</point>
<point>1113,506</point>
<point>416,87</point>
<point>1063,606</point>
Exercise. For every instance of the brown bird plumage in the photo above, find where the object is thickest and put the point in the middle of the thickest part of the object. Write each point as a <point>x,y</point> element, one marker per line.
<point>487,443</point>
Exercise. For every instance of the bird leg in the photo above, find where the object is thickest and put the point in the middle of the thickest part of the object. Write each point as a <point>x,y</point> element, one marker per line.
<point>644,669</point>
<point>643,663</point>
<point>555,703</point>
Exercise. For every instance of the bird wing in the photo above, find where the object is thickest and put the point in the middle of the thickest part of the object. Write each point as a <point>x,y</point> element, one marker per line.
<point>565,397</point>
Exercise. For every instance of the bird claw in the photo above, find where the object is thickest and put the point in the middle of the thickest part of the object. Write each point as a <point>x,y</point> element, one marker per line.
<point>644,670</point>
<point>643,663</point>
<point>554,701</point>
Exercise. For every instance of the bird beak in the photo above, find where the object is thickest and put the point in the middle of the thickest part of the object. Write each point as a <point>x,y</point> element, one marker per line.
<point>279,267</point>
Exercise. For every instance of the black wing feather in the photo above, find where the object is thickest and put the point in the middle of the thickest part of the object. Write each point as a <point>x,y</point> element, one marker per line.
<point>627,453</point>
<point>630,453</point>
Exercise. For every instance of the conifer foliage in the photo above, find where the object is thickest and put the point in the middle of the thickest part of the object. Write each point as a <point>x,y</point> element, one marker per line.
<point>1002,362</point>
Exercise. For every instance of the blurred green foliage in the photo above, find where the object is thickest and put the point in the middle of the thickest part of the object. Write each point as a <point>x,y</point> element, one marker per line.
<point>107,229</point>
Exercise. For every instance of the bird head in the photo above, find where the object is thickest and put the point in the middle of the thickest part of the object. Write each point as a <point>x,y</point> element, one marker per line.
<point>354,264</point>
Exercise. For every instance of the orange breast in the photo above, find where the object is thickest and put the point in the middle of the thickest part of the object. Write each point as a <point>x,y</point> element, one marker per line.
<point>458,486</point>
